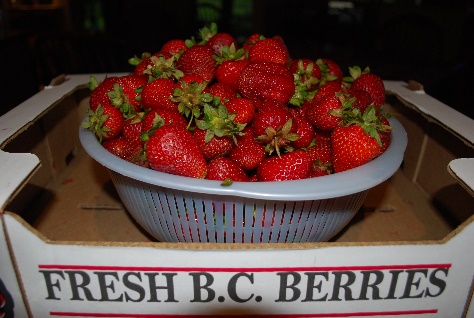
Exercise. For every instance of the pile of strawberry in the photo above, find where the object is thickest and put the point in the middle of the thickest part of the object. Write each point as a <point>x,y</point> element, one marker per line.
<point>206,108</point>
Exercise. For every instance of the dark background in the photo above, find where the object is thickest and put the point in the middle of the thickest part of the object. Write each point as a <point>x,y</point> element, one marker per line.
<point>427,41</point>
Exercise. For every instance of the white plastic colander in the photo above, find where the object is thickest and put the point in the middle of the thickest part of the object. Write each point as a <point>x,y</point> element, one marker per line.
<point>181,209</point>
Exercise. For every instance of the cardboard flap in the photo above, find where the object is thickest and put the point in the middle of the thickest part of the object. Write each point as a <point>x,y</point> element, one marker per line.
<point>462,170</point>
<point>16,170</point>
<point>458,123</point>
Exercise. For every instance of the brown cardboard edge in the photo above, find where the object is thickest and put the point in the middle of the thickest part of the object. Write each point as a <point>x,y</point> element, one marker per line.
<point>238,246</point>
<point>469,298</point>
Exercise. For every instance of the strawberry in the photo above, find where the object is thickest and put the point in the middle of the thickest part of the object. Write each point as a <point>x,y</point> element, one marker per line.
<point>368,82</point>
<point>188,79</point>
<point>126,149</point>
<point>172,149</point>
<point>269,50</point>
<point>140,64</point>
<point>304,130</point>
<point>275,127</point>
<point>384,132</point>
<point>158,117</point>
<point>357,140</point>
<point>225,169</point>
<point>132,128</point>
<point>198,60</point>
<point>128,98</point>
<point>223,91</point>
<point>243,108</point>
<point>320,148</point>
<point>191,98</point>
<point>220,40</point>
<point>248,153</point>
<point>100,91</point>
<point>326,112</point>
<point>331,71</point>
<point>251,40</point>
<point>228,72</point>
<point>352,147</point>
<point>307,72</point>
<point>362,99</point>
<point>175,46</point>
<point>266,80</point>
<point>319,169</point>
<point>158,93</point>
<point>289,166</point>
<point>328,88</point>
<point>106,122</point>
<point>213,147</point>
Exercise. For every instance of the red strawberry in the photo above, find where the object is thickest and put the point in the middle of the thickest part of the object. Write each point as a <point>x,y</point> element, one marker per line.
<point>384,130</point>
<point>188,79</point>
<point>223,91</point>
<point>228,72</point>
<point>319,169</point>
<point>213,147</point>
<point>328,88</point>
<point>304,130</point>
<point>198,60</point>
<point>158,93</point>
<point>158,117</point>
<point>251,40</point>
<point>106,122</point>
<point>321,147</point>
<point>225,169</point>
<point>269,50</point>
<point>306,68</point>
<point>289,166</point>
<point>362,99</point>
<point>125,149</point>
<point>371,84</point>
<point>266,80</point>
<point>220,40</point>
<point>325,113</point>
<point>100,91</point>
<point>176,46</point>
<point>248,153</point>
<point>364,80</point>
<point>131,87</point>
<point>352,147</point>
<point>275,127</point>
<point>243,108</point>
<point>132,128</point>
<point>172,149</point>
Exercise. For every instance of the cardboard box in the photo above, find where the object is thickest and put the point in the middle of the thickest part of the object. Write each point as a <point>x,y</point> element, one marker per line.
<point>68,248</point>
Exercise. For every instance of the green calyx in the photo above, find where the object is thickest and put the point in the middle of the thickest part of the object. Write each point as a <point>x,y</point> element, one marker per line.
<point>304,81</point>
<point>95,122</point>
<point>119,100</point>
<point>218,122</point>
<point>229,53</point>
<point>278,140</point>
<point>191,98</point>
<point>355,72</point>
<point>134,61</point>
<point>370,121</point>
<point>163,67</point>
